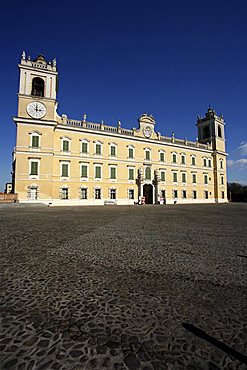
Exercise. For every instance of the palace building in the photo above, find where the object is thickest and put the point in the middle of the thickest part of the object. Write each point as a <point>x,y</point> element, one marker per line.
<point>62,161</point>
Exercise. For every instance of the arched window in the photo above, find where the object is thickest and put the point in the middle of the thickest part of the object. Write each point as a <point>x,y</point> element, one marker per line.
<point>219,131</point>
<point>38,86</point>
<point>206,132</point>
<point>148,173</point>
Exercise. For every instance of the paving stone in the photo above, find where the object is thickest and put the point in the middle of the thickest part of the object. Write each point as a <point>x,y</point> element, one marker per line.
<point>115,287</point>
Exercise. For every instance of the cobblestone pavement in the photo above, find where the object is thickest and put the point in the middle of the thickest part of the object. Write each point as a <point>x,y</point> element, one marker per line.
<point>118,287</point>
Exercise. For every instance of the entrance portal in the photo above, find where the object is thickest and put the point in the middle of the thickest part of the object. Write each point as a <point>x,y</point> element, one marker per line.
<point>148,193</point>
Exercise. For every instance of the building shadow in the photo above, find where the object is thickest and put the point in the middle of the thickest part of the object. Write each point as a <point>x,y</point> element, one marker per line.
<point>215,342</point>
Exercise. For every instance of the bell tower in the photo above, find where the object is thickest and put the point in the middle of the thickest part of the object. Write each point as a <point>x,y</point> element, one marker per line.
<point>37,88</point>
<point>211,130</point>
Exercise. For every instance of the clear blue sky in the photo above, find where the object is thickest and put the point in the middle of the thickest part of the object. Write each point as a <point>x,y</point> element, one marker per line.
<point>118,59</point>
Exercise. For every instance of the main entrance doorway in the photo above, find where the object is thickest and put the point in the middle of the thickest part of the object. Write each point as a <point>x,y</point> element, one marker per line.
<point>148,193</point>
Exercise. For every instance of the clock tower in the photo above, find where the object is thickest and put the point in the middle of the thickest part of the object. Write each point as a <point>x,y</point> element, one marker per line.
<point>37,88</point>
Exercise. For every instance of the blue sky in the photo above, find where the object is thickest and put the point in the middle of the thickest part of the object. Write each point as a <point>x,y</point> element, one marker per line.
<point>119,59</point>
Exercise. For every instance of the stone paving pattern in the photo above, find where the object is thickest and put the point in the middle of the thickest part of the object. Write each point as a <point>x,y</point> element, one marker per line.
<point>110,287</point>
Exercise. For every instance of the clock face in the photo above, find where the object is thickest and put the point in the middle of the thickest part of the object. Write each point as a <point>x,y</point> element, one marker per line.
<point>36,109</point>
<point>147,131</point>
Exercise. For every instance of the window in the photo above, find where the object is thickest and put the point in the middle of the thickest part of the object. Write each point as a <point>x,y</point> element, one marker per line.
<point>162,157</point>
<point>98,149</point>
<point>131,173</point>
<point>183,159</point>
<point>194,178</point>
<point>221,163</point>
<point>131,153</point>
<point>113,194</point>
<point>209,163</point>
<point>219,131</point>
<point>206,132</point>
<point>184,194</point>
<point>38,86</point>
<point>97,193</point>
<point>34,168</point>
<point>222,180</point>
<point>35,141</point>
<point>147,155</point>
<point>64,193</point>
<point>131,194</point>
<point>113,150</point>
<point>206,194</point>
<point>223,195</point>
<point>32,193</point>
<point>83,193</point>
<point>65,170</point>
<point>113,173</point>
<point>175,177</point>
<point>174,158</point>
<point>175,193</point>
<point>205,179</point>
<point>162,176</point>
<point>183,177</point>
<point>163,194</point>
<point>84,147</point>
<point>98,172</point>
<point>65,145</point>
<point>204,162</point>
<point>193,161</point>
<point>148,173</point>
<point>84,171</point>
<point>194,195</point>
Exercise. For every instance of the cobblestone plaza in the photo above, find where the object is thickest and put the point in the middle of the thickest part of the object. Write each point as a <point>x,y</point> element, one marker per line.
<point>123,287</point>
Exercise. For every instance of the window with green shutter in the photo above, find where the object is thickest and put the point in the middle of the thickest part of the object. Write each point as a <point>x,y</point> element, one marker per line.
<point>131,173</point>
<point>174,158</point>
<point>148,173</point>
<point>205,179</point>
<point>65,145</point>
<point>98,149</point>
<point>204,162</point>
<point>175,177</point>
<point>35,141</point>
<point>194,178</point>
<point>84,147</point>
<point>162,157</point>
<point>34,168</point>
<point>193,161</point>
<point>183,177</point>
<point>162,176</point>
<point>65,170</point>
<point>113,150</point>
<point>183,159</point>
<point>147,154</point>
<point>98,172</point>
<point>131,153</point>
<point>83,171</point>
<point>113,173</point>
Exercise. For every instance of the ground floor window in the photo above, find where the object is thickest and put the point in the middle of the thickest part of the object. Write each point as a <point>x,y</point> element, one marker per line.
<point>163,194</point>
<point>97,193</point>
<point>131,194</point>
<point>113,193</point>
<point>223,195</point>
<point>83,193</point>
<point>32,192</point>
<point>194,195</point>
<point>206,194</point>
<point>64,193</point>
<point>184,195</point>
<point>175,193</point>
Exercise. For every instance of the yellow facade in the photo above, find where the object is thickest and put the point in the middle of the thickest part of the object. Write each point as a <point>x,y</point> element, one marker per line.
<point>59,161</point>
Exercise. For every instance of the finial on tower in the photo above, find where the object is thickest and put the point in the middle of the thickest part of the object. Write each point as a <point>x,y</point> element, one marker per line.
<point>54,62</point>
<point>23,55</point>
